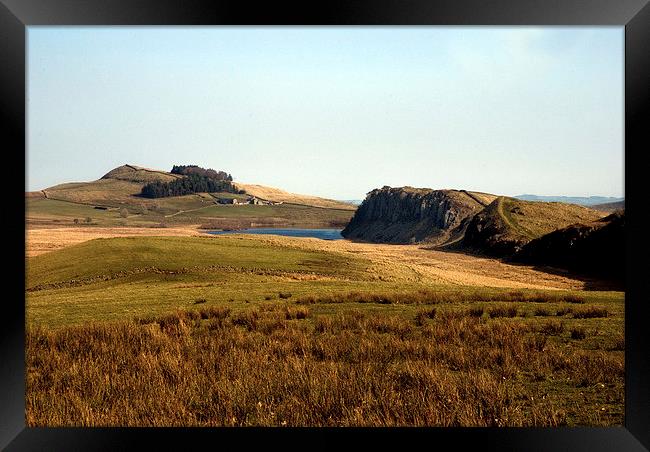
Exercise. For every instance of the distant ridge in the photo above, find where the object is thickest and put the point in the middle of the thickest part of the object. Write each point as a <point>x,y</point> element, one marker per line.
<point>610,206</point>
<point>580,200</point>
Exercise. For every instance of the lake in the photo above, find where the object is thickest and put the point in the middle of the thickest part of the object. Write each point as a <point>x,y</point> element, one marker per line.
<point>324,234</point>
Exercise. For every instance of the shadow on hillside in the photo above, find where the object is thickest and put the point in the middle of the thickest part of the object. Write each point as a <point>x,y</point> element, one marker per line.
<point>592,283</point>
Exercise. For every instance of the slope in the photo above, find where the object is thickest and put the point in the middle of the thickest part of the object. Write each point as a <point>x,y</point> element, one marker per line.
<point>278,195</point>
<point>507,224</point>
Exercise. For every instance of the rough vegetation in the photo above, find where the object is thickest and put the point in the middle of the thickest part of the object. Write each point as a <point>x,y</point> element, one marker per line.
<point>280,365</point>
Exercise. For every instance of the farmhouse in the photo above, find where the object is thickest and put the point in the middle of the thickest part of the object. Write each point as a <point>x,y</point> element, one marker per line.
<point>252,200</point>
<point>229,201</point>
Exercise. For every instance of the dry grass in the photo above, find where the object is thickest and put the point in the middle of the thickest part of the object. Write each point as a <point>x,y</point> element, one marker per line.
<point>425,296</point>
<point>534,219</point>
<point>279,365</point>
<point>40,241</point>
<point>589,313</point>
<point>277,195</point>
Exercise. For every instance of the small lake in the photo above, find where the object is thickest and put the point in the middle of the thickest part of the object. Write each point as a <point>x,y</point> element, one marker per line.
<point>324,234</point>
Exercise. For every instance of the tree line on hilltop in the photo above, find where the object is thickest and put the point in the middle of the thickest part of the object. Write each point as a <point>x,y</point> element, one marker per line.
<point>187,170</point>
<point>195,180</point>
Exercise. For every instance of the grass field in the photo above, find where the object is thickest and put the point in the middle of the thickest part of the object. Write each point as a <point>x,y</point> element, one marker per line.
<point>180,210</point>
<point>242,330</point>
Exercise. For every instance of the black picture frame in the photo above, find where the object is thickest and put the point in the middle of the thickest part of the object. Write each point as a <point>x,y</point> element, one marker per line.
<point>634,15</point>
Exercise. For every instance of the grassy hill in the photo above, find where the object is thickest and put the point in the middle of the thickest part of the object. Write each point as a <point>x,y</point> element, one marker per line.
<point>117,278</point>
<point>102,201</point>
<point>596,248</point>
<point>506,224</point>
<point>277,195</point>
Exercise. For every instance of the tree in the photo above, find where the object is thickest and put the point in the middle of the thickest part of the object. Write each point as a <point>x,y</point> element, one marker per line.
<point>89,220</point>
<point>123,212</point>
<point>192,183</point>
<point>76,221</point>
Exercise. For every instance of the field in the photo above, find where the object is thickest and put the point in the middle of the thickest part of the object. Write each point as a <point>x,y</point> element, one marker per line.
<point>249,330</point>
<point>198,209</point>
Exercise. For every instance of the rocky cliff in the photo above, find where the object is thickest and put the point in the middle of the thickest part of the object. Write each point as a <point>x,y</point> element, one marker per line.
<point>410,215</point>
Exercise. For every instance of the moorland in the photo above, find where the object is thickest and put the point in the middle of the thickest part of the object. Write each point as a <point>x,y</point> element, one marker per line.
<point>424,315</point>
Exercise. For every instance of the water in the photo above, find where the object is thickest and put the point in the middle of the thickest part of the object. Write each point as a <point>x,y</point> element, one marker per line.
<point>324,234</point>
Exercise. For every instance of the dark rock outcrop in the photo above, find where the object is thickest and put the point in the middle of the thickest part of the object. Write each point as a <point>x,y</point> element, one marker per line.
<point>410,215</point>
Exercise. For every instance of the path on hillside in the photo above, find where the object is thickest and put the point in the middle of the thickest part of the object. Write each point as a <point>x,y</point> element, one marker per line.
<point>516,227</point>
<point>190,210</point>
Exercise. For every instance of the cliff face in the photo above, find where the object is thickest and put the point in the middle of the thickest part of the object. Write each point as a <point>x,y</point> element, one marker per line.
<point>410,215</point>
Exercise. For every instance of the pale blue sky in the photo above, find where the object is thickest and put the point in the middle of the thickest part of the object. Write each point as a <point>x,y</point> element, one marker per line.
<point>333,111</point>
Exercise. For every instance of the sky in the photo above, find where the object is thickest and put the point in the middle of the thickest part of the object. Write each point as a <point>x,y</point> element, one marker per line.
<point>333,111</point>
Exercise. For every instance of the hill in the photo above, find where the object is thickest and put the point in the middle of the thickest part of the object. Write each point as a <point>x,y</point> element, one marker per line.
<point>408,215</point>
<point>278,195</point>
<point>507,224</point>
<point>123,185</point>
<point>134,173</point>
<point>595,248</point>
<point>101,202</point>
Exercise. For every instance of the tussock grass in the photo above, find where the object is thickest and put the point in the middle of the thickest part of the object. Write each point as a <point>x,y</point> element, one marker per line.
<point>427,296</point>
<point>578,333</point>
<point>422,315</point>
<point>296,313</point>
<point>503,311</point>
<point>282,364</point>
<point>589,312</point>
<point>551,328</point>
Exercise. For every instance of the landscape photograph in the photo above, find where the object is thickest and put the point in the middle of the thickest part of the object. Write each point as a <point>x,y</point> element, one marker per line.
<point>324,227</point>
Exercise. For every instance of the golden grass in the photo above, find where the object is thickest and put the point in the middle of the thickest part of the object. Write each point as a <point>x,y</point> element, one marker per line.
<point>281,366</point>
<point>43,240</point>
<point>396,263</point>
<point>535,219</point>
<point>278,195</point>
